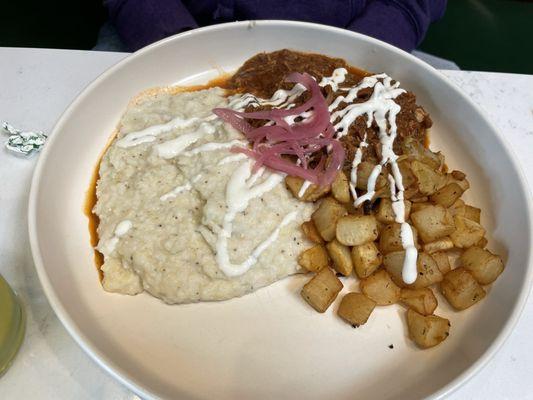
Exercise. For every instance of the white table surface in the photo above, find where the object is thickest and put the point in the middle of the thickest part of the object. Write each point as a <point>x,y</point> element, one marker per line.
<point>37,85</point>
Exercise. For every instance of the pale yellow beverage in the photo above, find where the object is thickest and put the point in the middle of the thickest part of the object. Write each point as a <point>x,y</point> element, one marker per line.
<point>12,325</point>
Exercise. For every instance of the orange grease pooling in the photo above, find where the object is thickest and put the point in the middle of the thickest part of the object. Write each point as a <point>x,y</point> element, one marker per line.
<point>90,196</point>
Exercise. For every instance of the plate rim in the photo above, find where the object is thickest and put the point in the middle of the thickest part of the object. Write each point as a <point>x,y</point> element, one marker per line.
<point>122,376</point>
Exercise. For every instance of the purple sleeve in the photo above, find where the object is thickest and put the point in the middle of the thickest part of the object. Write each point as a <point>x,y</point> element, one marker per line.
<point>141,22</point>
<point>402,23</point>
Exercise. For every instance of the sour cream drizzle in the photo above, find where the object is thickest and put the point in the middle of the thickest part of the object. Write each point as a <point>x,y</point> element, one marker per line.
<point>382,109</point>
<point>239,193</point>
<point>120,230</point>
<point>338,76</point>
<point>304,188</point>
<point>179,189</point>
<point>355,164</point>
<point>279,99</point>
<point>172,148</point>
<point>150,133</point>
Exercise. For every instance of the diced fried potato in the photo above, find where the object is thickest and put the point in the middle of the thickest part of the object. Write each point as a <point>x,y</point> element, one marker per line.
<point>340,188</point>
<point>427,331</point>
<point>366,259</point>
<point>423,301</point>
<point>325,217</point>
<point>408,178</point>
<point>418,151</point>
<point>443,261</point>
<point>467,233</point>
<point>322,289</point>
<point>447,195</point>
<point>461,289</point>
<point>314,258</point>
<point>363,173</point>
<point>458,175</point>
<point>385,213</point>
<point>419,199</point>
<point>312,193</point>
<point>429,181</point>
<point>390,238</point>
<point>419,206</point>
<point>484,266</point>
<point>473,213</point>
<point>393,263</point>
<point>482,243</point>
<point>353,230</point>
<point>428,272</point>
<point>380,288</point>
<point>433,223</point>
<point>457,208</point>
<point>442,244</point>
<point>340,255</point>
<point>355,308</point>
<point>463,184</point>
<point>311,233</point>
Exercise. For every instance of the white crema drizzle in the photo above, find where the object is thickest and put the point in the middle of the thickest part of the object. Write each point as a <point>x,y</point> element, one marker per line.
<point>338,76</point>
<point>240,190</point>
<point>382,109</point>
<point>120,230</point>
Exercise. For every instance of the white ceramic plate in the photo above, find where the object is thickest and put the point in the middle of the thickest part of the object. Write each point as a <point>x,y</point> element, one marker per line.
<point>270,344</point>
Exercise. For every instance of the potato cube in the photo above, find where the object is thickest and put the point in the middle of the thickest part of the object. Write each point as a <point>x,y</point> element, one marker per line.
<point>355,308</point>
<point>340,255</point>
<point>482,242</point>
<point>419,206</point>
<point>447,195</point>
<point>429,181</point>
<point>423,301</point>
<point>428,272</point>
<point>353,230</point>
<point>366,259</point>
<point>393,263</point>
<point>443,261</point>
<point>419,199</point>
<point>461,289</point>
<point>458,175</point>
<point>386,214</point>
<point>457,208</point>
<point>467,233</point>
<point>484,266</point>
<point>363,173</point>
<point>408,178</point>
<point>322,290</point>
<point>380,288</point>
<point>340,188</point>
<point>442,244</point>
<point>427,331</point>
<point>314,258</point>
<point>312,193</point>
<point>463,184</point>
<point>473,213</point>
<point>433,223</point>
<point>325,217</point>
<point>390,238</point>
<point>311,233</point>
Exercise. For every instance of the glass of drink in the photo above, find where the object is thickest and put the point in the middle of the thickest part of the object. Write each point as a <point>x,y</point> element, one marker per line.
<point>12,325</point>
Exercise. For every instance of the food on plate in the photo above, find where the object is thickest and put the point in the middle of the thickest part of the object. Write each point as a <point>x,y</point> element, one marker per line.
<point>298,163</point>
<point>427,330</point>
<point>322,290</point>
<point>355,308</point>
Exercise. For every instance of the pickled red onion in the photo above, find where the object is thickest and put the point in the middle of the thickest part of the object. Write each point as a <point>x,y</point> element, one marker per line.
<point>270,143</point>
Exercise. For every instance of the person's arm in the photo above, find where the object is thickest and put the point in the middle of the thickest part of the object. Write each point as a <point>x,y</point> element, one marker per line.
<point>402,23</point>
<point>141,22</point>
